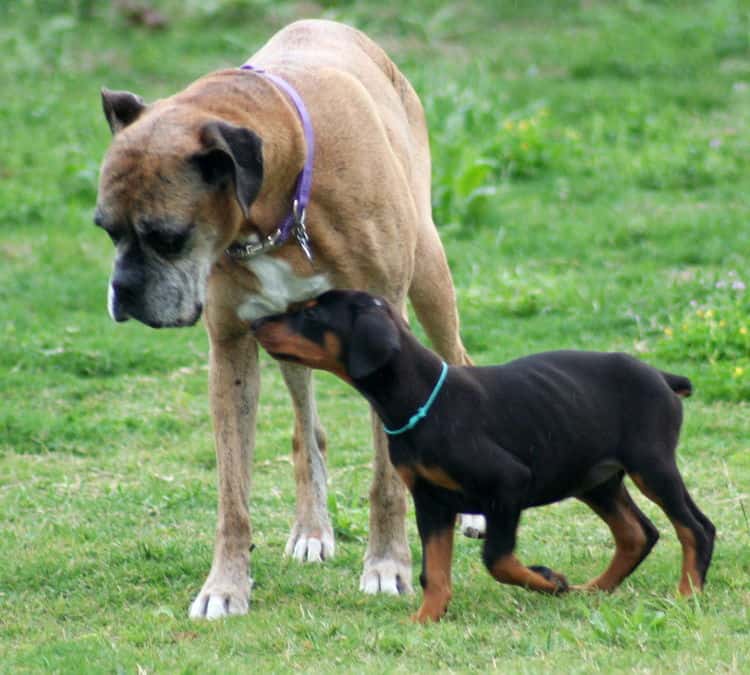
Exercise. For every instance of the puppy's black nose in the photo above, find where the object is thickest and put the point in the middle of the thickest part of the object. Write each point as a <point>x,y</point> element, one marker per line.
<point>255,325</point>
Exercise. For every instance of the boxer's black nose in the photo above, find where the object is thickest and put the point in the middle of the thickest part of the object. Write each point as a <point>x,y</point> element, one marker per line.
<point>128,277</point>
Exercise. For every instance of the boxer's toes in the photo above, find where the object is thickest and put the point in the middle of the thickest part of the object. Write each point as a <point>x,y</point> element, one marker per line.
<point>219,599</point>
<point>561,583</point>
<point>386,575</point>
<point>310,543</point>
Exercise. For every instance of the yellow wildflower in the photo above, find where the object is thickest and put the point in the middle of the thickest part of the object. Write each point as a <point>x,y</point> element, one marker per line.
<point>523,125</point>
<point>743,330</point>
<point>668,331</point>
<point>738,371</point>
<point>722,323</point>
<point>709,313</point>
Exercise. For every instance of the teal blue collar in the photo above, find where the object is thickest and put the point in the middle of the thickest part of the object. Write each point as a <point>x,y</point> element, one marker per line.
<point>422,412</point>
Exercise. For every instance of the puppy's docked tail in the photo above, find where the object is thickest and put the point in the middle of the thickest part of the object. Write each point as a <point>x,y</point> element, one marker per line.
<point>678,384</point>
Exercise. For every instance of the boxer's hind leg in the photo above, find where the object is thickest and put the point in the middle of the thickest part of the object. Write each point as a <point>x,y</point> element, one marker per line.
<point>311,538</point>
<point>387,567</point>
<point>434,300</point>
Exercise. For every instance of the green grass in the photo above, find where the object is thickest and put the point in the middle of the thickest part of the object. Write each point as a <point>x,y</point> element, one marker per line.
<point>590,181</point>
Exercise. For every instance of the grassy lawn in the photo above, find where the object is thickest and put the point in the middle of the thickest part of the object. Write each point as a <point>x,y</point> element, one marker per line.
<point>591,183</point>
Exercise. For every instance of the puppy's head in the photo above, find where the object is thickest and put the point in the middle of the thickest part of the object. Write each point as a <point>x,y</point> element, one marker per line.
<point>175,185</point>
<point>348,333</point>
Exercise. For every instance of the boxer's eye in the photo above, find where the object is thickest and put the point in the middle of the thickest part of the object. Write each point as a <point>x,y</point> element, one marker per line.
<point>113,233</point>
<point>165,242</point>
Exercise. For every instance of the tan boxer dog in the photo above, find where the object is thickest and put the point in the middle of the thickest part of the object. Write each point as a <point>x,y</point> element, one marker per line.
<point>191,179</point>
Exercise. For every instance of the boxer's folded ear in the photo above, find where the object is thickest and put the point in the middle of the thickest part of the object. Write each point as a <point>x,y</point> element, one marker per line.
<point>231,153</point>
<point>121,108</point>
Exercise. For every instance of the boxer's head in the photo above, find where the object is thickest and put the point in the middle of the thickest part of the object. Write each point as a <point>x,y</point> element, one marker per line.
<point>175,185</point>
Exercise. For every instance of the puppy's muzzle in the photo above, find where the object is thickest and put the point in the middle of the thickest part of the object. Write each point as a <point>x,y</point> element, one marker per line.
<point>270,332</point>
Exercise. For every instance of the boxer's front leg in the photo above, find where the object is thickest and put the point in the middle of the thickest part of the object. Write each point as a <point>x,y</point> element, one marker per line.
<point>233,387</point>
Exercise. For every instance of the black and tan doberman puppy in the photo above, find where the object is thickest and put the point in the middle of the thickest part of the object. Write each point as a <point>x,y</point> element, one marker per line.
<point>497,440</point>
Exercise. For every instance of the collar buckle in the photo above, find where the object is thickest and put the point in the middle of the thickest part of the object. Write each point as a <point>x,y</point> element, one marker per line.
<point>239,251</point>
<point>300,231</point>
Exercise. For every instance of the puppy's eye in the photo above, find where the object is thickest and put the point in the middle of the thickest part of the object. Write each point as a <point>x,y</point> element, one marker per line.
<point>310,313</point>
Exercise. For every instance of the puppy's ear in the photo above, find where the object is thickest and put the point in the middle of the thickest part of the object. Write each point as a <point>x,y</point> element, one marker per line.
<point>232,153</point>
<point>121,108</point>
<point>374,341</point>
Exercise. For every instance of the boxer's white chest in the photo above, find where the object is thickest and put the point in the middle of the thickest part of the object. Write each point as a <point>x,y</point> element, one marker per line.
<point>279,287</point>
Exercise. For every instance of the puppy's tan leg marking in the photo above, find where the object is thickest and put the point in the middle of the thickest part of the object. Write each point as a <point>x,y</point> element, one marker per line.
<point>630,542</point>
<point>233,386</point>
<point>690,578</point>
<point>311,538</point>
<point>438,552</point>
<point>508,570</point>
<point>387,566</point>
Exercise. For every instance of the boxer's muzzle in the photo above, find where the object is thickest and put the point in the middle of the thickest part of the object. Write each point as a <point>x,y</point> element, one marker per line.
<point>160,295</point>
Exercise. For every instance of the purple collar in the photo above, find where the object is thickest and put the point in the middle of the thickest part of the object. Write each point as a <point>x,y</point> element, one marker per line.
<point>294,223</point>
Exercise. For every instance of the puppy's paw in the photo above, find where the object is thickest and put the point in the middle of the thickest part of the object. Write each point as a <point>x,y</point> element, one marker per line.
<point>561,583</point>
<point>385,575</point>
<point>310,544</point>
<point>472,525</point>
<point>427,616</point>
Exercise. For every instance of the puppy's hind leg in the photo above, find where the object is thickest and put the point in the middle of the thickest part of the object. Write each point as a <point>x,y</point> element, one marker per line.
<point>635,535</point>
<point>311,538</point>
<point>661,482</point>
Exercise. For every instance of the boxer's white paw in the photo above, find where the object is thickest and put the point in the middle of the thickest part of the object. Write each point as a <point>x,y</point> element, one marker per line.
<point>473,526</point>
<point>217,600</point>
<point>310,544</point>
<point>386,575</point>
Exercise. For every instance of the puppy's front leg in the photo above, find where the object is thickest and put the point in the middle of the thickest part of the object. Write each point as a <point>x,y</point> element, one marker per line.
<point>436,526</point>
<point>505,567</point>
<point>234,384</point>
